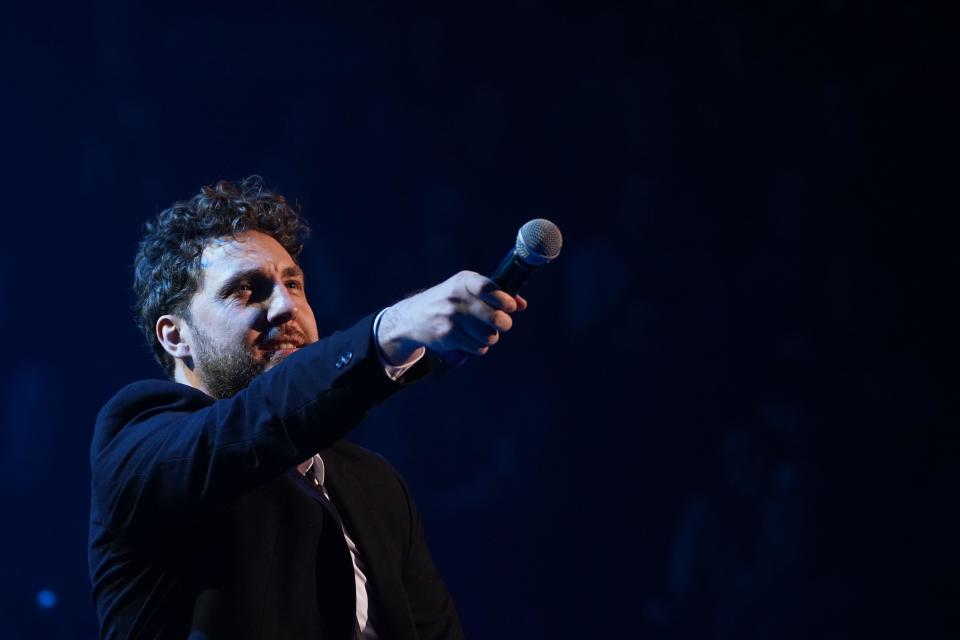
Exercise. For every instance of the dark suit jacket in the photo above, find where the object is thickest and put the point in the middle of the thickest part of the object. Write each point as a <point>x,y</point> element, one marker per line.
<point>201,527</point>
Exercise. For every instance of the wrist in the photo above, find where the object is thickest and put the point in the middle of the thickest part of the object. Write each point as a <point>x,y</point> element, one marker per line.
<point>396,347</point>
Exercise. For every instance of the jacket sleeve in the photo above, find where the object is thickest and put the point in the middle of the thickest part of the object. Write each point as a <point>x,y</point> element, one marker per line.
<point>434,614</point>
<point>164,453</point>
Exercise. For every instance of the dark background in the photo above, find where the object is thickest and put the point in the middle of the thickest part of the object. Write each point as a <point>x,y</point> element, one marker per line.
<point>722,415</point>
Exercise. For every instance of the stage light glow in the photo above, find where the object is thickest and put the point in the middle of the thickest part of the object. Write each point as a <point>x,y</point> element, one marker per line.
<point>46,599</point>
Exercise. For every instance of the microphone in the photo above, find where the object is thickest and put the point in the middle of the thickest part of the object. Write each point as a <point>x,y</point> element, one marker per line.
<point>538,242</point>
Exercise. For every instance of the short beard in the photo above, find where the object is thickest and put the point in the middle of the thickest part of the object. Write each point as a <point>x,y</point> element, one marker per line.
<point>223,370</point>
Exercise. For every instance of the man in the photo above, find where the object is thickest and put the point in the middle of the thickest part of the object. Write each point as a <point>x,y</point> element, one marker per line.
<point>225,502</point>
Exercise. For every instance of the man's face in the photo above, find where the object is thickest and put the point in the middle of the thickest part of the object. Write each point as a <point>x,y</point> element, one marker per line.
<point>250,312</point>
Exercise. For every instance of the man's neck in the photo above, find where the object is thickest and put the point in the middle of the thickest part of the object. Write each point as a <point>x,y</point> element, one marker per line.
<point>183,375</point>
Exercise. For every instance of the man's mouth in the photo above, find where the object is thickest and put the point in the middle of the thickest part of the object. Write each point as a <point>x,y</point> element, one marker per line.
<point>281,345</point>
<point>282,342</point>
<point>276,343</point>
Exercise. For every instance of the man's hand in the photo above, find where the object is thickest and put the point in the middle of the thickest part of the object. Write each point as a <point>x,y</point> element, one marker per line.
<point>467,312</point>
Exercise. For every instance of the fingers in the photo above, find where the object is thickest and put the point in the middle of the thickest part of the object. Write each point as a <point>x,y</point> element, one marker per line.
<point>480,329</point>
<point>493,318</point>
<point>499,299</point>
<point>488,291</point>
<point>481,332</point>
<point>460,339</point>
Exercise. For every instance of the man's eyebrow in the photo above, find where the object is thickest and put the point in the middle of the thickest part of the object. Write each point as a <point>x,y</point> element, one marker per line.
<point>231,282</point>
<point>292,272</point>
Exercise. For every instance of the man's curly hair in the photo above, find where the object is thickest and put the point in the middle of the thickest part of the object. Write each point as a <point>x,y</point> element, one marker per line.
<point>167,268</point>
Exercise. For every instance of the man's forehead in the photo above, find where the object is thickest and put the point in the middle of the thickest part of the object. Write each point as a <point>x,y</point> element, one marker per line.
<point>245,251</point>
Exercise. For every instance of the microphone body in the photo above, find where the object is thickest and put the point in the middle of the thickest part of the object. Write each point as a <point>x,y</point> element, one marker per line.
<point>512,273</point>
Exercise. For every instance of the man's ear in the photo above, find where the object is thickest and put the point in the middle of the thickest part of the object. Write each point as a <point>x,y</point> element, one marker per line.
<point>174,337</point>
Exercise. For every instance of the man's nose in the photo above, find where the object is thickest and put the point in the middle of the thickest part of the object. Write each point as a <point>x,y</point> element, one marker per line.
<point>282,307</point>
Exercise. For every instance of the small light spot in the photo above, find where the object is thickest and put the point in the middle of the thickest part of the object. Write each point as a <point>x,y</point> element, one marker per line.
<point>46,599</point>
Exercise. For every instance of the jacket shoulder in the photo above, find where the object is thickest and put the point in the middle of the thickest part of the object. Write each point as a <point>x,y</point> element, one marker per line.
<point>139,401</point>
<point>358,457</point>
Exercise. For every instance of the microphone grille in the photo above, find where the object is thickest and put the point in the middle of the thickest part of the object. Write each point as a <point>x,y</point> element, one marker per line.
<point>538,242</point>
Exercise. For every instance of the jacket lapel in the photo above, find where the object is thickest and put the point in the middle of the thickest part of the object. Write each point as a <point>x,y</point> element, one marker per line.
<point>305,486</point>
<point>378,547</point>
<point>349,596</point>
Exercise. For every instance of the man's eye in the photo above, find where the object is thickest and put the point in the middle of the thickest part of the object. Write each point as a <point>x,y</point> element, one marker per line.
<point>294,284</point>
